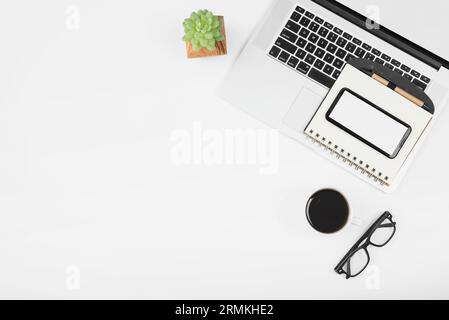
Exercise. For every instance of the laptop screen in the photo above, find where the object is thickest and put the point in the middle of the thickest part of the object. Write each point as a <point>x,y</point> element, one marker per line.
<point>418,21</point>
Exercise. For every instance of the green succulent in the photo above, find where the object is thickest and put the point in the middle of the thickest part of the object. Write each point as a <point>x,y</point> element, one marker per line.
<point>202,30</point>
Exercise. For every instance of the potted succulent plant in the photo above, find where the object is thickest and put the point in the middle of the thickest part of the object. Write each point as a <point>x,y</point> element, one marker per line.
<point>204,35</point>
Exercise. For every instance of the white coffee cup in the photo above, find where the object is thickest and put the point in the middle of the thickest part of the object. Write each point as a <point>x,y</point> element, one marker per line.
<point>328,212</point>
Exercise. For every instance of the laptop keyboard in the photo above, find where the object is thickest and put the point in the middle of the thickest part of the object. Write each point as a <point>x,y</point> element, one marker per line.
<point>319,50</point>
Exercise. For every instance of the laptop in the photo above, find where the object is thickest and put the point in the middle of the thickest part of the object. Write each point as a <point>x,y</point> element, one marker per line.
<point>300,47</point>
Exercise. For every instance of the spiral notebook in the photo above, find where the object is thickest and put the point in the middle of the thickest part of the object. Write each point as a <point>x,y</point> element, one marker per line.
<point>368,126</point>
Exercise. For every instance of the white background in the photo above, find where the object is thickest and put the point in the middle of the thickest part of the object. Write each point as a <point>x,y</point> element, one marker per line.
<point>92,205</point>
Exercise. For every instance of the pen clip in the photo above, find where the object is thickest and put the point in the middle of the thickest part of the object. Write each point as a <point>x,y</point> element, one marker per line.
<point>394,81</point>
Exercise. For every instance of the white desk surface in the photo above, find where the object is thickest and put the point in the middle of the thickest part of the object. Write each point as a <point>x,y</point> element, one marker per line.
<point>93,206</point>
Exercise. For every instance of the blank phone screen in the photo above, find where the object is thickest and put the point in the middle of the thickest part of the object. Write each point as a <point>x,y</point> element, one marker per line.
<point>369,123</point>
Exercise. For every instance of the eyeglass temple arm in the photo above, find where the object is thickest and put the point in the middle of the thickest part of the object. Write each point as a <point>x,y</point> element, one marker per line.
<point>355,247</point>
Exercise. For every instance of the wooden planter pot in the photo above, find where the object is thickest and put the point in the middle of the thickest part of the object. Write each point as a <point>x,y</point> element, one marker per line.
<point>220,47</point>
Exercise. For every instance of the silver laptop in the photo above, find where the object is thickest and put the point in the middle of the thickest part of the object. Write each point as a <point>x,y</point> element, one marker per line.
<point>299,49</point>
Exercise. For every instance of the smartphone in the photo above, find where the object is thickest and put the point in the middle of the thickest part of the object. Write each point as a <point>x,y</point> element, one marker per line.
<point>368,123</point>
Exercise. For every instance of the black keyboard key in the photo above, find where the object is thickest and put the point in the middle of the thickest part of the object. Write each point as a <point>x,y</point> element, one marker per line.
<point>405,68</point>
<point>313,38</point>
<point>328,69</point>
<point>336,74</point>
<point>328,25</point>
<point>338,63</point>
<point>284,56</point>
<point>328,58</point>
<point>396,63</point>
<point>320,53</point>
<point>366,47</point>
<point>304,22</point>
<point>357,41</point>
<point>349,57</point>
<point>275,51</point>
<point>370,56</point>
<point>376,52</point>
<point>379,61</point>
<point>295,16</point>
<point>310,47</point>
<point>408,77</point>
<point>360,52</point>
<point>309,15</point>
<point>300,9</point>
<point>416,74</point>
<point>425,79</point>
<point>303,67</point>
<point>304,33</point>
<point>342,42</point>
<point>287,46</point>
<point>389,66</point>
<point>319,20</point>
<point>293,62</point>
<point>420,84</point>
<point>386,57</point>
<point>338,31</point>
<point>300,54</point>
<point>350,47</point>
<point>347,36</point>
<point>293,26</point>
<point>314,26</point>
<point>319,64</point>
<point>301,42</point>
<point>332,37</point>
<point>310,59</point>
<point>331,48</point>
<point>321,78</point>
<point>399,71</point>
<point>290,36</point>
<point>341,53</point>
<point>322,43</point>
<point>323,32</point>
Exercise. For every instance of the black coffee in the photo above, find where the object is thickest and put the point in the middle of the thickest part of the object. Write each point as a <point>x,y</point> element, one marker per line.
<point>327,211</point>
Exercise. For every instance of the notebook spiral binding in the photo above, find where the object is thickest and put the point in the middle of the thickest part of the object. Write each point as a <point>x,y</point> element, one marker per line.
<point>352,160</point>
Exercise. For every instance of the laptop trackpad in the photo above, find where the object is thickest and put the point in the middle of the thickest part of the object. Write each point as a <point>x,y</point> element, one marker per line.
<point>302,110</point>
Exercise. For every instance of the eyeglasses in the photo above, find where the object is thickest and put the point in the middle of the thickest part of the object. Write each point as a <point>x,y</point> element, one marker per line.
<point>378,235</point>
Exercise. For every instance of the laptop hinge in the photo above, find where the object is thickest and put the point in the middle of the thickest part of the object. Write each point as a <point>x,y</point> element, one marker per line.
<point>385,34</point>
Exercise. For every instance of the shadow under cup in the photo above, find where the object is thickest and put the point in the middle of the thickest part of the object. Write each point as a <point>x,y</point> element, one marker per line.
<point>327,211</point>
